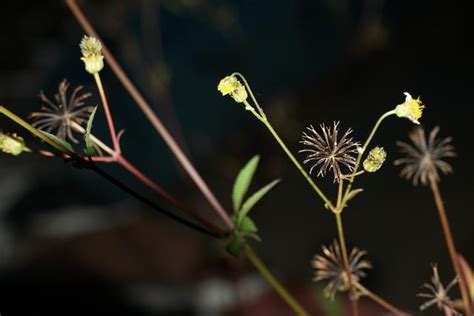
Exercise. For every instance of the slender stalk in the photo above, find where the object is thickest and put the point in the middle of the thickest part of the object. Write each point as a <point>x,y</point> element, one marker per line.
<point>33,130</point>
<point>152,117</point>
<point>122,161</point>
<point>290,155</point>
<point>277,286</point>
<point>345,259</point>
<point>450,243</point>
<point>364,148</point>
<point>377,299</point>
<point>108,115</point>
<point>102,173</point>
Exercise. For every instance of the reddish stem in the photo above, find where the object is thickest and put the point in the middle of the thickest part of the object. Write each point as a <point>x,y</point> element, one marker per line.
<point>152,117</point>
<point>166,195</point>
<point>108,115</point>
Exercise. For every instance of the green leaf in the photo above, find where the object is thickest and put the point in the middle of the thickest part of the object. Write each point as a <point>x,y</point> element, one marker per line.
<point>90,148</point>
<point>253,236</point>
<point>58,140</point>
<point>252,200</point>
<point>247,225</point>
<point>234,245</point>
<point>242,182</point>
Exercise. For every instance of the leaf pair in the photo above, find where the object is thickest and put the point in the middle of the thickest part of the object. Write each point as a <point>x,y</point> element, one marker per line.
<point>244,225</point>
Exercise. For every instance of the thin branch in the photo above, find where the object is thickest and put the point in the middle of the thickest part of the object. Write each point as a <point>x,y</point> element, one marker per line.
<point>152,117</point>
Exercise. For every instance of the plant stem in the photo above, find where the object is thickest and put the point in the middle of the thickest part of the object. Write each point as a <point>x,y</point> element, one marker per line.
<point>102,173</point>
<point>364,148</point>
<point>290,155</point>
<point>345,259</point>
<point>275,284</point>
<point>122,161</point>
<point>108,115</point>
<point>152,117</point>
<point>450,243</point>
<point>33,130</point>
<point>377,299</point>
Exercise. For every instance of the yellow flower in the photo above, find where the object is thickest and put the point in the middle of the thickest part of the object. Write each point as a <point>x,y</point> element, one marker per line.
<point>411,109</point>
<point>232,86</point>
<point>12,144</point>
<point>92,57</point>
<point>375,159</point>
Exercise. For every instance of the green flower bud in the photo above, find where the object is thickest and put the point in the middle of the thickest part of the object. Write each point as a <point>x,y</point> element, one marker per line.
<point>232,86</point>
<point>375,159</point>
<point>12,144</point>
<point>92,56</point>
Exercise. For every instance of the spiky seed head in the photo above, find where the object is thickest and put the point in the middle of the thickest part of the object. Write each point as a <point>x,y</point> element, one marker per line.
<point>329,266</point>
<point>411,109</point>
<point>59,114</point>
<point>230,85</point>
<point>437,293</point>
<point>91,50</point>
<point>328,152</point>
<point>12,144</point>
<point>375,159</point>
<point>423,159</point>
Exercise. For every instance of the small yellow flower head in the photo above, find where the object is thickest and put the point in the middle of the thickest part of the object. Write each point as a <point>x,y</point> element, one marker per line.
<point>92,56</point>
<point>232,86</point>
<point>375,159</point>
<point>12,144</point>
<point>411,109</point>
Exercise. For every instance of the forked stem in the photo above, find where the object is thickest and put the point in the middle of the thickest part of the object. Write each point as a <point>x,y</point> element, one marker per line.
<point>152,117</point>
<point>450,243</point>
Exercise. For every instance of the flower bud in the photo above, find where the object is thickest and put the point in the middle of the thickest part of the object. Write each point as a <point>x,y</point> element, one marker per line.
<point>375,159</point>
<point>232,86</point>
<point>12,144</point>
<point>92,56</point>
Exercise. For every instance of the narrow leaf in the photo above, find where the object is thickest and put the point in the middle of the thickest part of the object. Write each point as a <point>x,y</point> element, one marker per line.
<point>247,225</point>
<point>242,182</point>
<point>252,200</point>
<point>58,140</point>
<point>90,148</point>
<point>253,236</point>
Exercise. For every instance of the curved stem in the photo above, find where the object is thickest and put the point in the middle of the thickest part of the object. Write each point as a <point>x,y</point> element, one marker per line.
<point>290,155</point>
<point>450,243</point>
<point>364,148</point>
<point>275,284</point>
<point>121,160</point>
<point>377,299</point>
<point>90,165</point>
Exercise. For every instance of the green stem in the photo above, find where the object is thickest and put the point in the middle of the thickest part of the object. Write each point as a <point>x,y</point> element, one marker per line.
<point>364,148</point>
<point>290,155</point>
<point>32,130</point>
<point>275,284</point>
<point>345,259</point>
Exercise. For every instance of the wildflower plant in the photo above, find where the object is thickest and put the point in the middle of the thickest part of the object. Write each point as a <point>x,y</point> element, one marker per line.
<point>327,151</point>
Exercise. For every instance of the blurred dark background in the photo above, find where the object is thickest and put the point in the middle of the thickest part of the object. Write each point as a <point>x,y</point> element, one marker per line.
<point>72,243</point>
